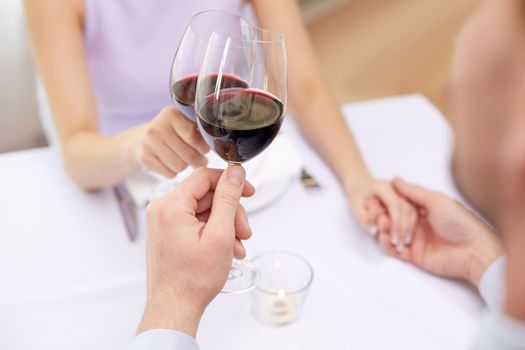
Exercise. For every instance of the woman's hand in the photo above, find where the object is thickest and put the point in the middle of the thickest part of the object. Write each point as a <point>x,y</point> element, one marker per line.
<point>449,240</point>
<point>169,143</point>
<point>380,209</point>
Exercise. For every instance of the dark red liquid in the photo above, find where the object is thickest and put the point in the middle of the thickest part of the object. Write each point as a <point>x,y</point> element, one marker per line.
<point>240,124</point>
<point>183,91</point>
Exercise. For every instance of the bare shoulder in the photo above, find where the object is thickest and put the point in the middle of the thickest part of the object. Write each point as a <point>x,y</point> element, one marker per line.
<point>39,12</point>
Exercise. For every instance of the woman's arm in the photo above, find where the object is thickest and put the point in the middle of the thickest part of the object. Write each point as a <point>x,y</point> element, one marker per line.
<point>317,111</point>
<point>322,123</point>
<point>166,145</point>
<point>91,159</point>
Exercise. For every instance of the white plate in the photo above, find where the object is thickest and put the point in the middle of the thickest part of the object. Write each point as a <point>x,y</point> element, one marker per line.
<point>266,193</point>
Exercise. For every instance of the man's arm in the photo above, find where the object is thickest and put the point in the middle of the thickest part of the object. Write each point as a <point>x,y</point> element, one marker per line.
<point>197,227</point>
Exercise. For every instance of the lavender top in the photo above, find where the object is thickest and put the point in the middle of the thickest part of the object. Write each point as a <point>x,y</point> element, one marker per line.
<point>130,45</point>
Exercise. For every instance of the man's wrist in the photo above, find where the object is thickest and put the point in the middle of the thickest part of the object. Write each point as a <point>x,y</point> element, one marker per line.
<point>164,313</point>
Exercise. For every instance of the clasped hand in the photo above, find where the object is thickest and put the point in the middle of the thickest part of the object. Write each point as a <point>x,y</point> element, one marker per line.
<point>448,239</point>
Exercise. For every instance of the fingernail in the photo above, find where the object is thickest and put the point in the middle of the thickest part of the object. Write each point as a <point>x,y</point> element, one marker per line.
<point>408,239</point>
<point>235,175</point>
<point>400,248</point>
<point>373,230</point>
<point>394,240</point>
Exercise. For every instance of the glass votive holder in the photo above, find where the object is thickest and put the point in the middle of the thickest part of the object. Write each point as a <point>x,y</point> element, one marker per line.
<point>285,279</point>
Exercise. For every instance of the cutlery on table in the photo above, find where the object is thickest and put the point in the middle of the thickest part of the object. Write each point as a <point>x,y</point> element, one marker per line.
<point>308,180</point>
<point>128,210</point>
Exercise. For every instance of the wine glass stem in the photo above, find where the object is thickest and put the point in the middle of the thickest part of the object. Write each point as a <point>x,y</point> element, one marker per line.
<point>235,271</point>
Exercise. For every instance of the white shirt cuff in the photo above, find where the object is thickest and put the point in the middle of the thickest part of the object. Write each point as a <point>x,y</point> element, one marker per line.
<point>163,339</point>
<point>498,331</point>
<point>492,283</point>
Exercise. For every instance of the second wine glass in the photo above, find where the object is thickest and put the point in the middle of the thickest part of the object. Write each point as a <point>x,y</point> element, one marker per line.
<point>239,122</point>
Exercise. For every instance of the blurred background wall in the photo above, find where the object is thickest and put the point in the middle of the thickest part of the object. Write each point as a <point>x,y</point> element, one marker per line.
<point>19,124</point>
<point>367,49</point>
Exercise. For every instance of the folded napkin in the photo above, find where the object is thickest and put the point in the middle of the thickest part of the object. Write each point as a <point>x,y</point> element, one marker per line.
<point>280,161</point>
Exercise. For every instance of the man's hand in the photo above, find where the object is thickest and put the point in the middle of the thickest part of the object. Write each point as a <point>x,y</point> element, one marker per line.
<point>191,242</point>
<point>373,199</point>
<point>449,240</point>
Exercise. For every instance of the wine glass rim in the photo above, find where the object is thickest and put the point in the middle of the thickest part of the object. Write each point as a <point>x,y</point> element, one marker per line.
<point>198,14</point>
<point>274,37</point>
<point>297,256</point>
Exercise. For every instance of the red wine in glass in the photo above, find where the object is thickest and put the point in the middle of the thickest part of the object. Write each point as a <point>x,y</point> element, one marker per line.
<point>183,91</point>
<point>238,124</point>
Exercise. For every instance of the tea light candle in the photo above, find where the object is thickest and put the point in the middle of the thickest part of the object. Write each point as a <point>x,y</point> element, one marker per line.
<point>280,308</point>
<point>282,289</point>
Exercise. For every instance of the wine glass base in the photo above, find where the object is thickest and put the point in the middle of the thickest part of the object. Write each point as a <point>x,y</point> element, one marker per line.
<point>243,278</point>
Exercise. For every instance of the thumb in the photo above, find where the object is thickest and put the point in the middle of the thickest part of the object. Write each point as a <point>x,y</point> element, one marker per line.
<point>221,223</point>
<point>413,193</point>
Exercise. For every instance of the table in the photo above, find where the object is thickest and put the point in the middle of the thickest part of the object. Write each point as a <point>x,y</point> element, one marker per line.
<point>70,279</point>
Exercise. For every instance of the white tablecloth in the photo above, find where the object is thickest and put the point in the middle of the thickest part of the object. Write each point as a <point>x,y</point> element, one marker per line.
<point>70,279</point>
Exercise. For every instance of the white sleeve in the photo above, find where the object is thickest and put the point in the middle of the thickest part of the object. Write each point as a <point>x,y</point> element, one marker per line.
<point>163,339</point>
<point>492,283</point>
<point>499,332</point>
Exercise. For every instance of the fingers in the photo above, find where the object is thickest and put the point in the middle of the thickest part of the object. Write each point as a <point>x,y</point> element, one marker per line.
<point>197,186</point>
<point>393,205</point>
<point>220,229</point>
<point>239,252</point>
<point>188,132</point>
<point>204,204</point>
<point>408,215</point>
<point>187,153</point>
<point>374,210</point>
<point>384,242</point>
<point>203,216</point>
<point>249,189</point>
<point>174,141</point>
<point>150,162</point>
<point>411,223</point>
<point>402,215</point>
<point>384,224</point>
<point>242,226</point>
<point>417,195</point>
<point>169,158</point>
<point>243,230</point>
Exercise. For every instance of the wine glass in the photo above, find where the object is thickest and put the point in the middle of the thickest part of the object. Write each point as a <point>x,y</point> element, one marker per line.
<point>190,53</point>
<point>185,69</point>
<point>240,121</point>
